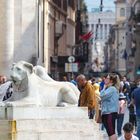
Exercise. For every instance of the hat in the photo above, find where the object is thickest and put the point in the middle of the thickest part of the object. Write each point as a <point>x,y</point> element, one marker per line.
<point>122,96</point>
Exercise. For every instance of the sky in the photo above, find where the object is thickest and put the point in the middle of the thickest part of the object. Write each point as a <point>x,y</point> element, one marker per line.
<point>108,4</point>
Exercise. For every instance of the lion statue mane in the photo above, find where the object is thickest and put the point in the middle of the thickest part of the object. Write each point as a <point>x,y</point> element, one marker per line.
<point>29,88</point>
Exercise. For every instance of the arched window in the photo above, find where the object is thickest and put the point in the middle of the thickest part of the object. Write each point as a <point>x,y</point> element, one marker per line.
<point>122,12</point>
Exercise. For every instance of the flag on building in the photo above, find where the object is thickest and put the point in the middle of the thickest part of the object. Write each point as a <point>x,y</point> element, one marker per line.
<point>86,36</point>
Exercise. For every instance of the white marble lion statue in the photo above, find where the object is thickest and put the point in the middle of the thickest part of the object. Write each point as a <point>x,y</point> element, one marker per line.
<point>30,89</point>
<point>42,73</point>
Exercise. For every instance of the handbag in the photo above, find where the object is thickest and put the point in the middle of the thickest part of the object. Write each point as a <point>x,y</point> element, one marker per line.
<point>99,118</point>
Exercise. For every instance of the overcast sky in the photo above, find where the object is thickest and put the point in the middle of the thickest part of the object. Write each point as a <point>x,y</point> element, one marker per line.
<point>108,4</point>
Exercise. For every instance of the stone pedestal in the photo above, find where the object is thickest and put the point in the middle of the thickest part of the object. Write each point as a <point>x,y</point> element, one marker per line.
<point>47,123</point>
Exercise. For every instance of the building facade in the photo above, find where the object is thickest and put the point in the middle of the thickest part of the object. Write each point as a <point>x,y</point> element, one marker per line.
<point>38,31</point>
<point>133,20</point>
<point>124,39</point>
<point>100,23</point>
<point>120,34</point>
<point>18,40</point>
<point>55,37</point>
<point>116,43</point>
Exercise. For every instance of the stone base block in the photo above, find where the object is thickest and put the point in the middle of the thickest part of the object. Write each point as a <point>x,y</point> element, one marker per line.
<point>69,123</point>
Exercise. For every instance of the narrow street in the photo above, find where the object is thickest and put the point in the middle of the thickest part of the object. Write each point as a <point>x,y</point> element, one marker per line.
<point>45,45</point>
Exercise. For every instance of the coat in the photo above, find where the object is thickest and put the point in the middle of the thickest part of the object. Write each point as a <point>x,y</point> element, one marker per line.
<point>87,96</point>
<point>98,99</point>
<point>109,100</point>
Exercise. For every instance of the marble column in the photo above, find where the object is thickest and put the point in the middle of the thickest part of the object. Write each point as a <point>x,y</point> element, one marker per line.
<point>99,31</point>
<point>103,31</point>
<point>94,30</point>
<point>6,35</point>
<point>108,29</point>
<point>91,27</point>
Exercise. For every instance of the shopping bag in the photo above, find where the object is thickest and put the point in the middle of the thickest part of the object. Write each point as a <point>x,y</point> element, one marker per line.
<point>99,118</point>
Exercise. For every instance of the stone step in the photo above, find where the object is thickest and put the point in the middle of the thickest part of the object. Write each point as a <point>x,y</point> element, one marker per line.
<point>31,128</point>
<point>6,126</point>
<point>51,135</point>
<point>25,112</point>
<point>31,123</point>
<point>48,124</point>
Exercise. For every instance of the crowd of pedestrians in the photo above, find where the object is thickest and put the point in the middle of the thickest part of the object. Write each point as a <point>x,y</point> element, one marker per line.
<point>113,95</point>
<point>109,96</point>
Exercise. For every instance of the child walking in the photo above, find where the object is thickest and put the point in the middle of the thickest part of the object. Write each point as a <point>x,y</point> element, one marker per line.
<point>121,111</point>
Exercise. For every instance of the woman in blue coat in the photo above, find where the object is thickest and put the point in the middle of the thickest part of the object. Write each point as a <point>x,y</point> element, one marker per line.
<point>109,104</point>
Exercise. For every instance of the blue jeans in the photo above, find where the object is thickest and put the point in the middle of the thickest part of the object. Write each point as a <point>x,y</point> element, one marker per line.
<point>138,126</point>
<point>120,119</point>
